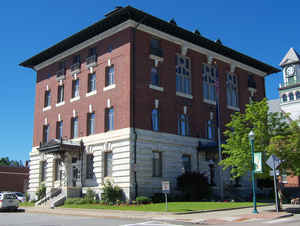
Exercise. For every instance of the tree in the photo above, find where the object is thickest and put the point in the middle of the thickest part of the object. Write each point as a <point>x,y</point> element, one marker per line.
<point>274,134</point>
<point>6,162</point>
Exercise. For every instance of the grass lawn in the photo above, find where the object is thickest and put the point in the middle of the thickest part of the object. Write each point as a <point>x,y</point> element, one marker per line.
<point>172,206</point>
<point>26,204</point>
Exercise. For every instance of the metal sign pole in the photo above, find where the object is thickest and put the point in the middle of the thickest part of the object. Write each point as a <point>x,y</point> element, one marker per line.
<point>275,185</point>
<point>166,196</point>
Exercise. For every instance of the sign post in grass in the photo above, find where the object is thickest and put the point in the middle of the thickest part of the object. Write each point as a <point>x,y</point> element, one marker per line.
<point>166,189</point>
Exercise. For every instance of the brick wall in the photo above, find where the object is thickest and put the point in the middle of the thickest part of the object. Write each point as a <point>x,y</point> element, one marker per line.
<point>119,96</point>
<point>170,105</point>
<point>14,178</point>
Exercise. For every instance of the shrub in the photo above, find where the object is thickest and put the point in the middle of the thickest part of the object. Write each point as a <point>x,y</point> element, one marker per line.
<point>76,201</point>
<point>27,197</point>
<point>90,196</point>
<point>111,193</point>
<point>194,186</point>
<point>142,200</point>
<point>158,198</point>
<point>41,193</point>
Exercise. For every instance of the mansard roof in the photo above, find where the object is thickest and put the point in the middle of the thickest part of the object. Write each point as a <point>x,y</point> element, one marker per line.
<point>290,58</point>
<point>124,14</point>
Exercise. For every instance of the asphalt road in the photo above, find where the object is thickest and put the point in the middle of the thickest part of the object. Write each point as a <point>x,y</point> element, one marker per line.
<point>32,219</point>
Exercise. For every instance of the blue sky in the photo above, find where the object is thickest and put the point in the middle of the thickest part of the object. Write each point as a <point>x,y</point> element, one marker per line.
<point>261,29</point>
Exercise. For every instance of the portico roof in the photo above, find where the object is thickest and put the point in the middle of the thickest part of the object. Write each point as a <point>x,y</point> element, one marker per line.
<point>56,145</point>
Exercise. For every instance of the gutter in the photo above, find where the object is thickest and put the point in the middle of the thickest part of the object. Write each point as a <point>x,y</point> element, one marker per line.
<point>133,76</point>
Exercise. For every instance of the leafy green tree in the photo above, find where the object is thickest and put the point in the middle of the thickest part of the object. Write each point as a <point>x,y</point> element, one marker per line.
<point>6,162</point>
<point>274,134</point>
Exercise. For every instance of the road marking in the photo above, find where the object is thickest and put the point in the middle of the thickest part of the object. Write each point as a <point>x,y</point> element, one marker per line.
<point>152,223</point>
<point>278,221</point>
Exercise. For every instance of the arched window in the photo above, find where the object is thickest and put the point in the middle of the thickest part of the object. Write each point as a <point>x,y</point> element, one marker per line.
<point>231,90</point>
<point>297,95</point>
<point>284,98</point>
<point>291,96</point>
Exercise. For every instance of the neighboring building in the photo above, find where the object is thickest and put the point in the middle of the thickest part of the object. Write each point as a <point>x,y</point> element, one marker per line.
<point>132,98</point>
<point>14,178</point>
<point>289,101</point>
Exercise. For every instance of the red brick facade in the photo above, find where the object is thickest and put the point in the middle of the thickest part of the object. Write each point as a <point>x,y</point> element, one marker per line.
<point>170,105</point>
<point>14,178</point>
<point>119,96</point>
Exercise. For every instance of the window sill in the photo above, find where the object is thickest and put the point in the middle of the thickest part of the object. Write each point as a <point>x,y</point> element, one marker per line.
<point>184,95</point>
<point>209,101</point>
<point>233,108</point>
<point>60,104</point>
<point>109,87</point>
<point>94,92</point>
<point>155,57</point>
<point>158,88</point>
<point>75,99</point>
<point>46,108</point>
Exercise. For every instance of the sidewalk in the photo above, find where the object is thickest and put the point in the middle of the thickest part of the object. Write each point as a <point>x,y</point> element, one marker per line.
<point>225,216</point>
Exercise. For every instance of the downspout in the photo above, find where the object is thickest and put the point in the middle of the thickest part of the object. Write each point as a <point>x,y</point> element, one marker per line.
<point>133,76</point>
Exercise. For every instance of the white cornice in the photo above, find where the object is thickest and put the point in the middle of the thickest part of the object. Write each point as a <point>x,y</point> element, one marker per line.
<point>150,30</point>
<point>84,44</point>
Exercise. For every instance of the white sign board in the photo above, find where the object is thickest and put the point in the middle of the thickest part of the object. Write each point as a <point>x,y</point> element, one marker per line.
<point>273,161</point>
<point>165,186</point>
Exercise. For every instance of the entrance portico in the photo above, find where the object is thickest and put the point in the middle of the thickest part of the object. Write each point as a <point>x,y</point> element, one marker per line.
<point>67,166</point>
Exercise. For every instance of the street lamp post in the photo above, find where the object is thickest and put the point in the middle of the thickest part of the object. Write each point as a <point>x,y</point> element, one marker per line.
<point>251,138</point>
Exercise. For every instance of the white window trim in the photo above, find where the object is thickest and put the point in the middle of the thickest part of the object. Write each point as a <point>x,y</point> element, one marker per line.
<point>184,95</point>
<point>47,108</point>
<point>233,108</point>
<point>94,92</point>
<point>209,101</point>
<point>74,99</point>
<point>60,104</point>
<point>158,88</point>
<point>112,86</point>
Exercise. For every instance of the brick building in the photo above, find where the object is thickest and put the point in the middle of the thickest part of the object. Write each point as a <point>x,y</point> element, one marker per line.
<point>132,99</point>
<point>14,178</point>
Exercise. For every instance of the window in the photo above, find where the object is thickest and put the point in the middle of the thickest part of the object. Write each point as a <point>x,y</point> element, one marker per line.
<point>57,174</point>
<point>297,95</point>
<point>231,90</point>
<point>74,127</point>
<point>61,65</point>
<point>59,130</point>
<point>109,119</point>
<point>183,74</point>
<point>43,171</point>
<point>183,125</point>
<point>156,164</point>
<point>93,51</point>
<point>76,59</point>
<point>211,131</point>
<point>251,82</point>
<point>45,133</point>
<point>155,120</point>
<point>75,88</point>
<point>89,166</point>
<point>110,72</point>
<point>91,123</point>
<point>75,67</point>
<point>154,77</point>
<point>284,98</point>
<point>186,163</point>
<point>209,76</point>
<point>61,69</point>
<point>60,94</point>
<point>155,47</point>
<point>47,101</point>
<point>291,96</point>
<point>91,82</point>
<point>108,164</point>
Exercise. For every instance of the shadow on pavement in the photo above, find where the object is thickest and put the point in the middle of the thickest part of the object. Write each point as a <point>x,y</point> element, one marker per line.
<point>295,210</point>
<point>12,211</point>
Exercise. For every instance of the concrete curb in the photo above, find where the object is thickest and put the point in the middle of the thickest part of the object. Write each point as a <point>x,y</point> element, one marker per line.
<point>217,210</point>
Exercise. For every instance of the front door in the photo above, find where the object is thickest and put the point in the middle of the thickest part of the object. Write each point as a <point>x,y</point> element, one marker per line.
<point>76,178</point>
